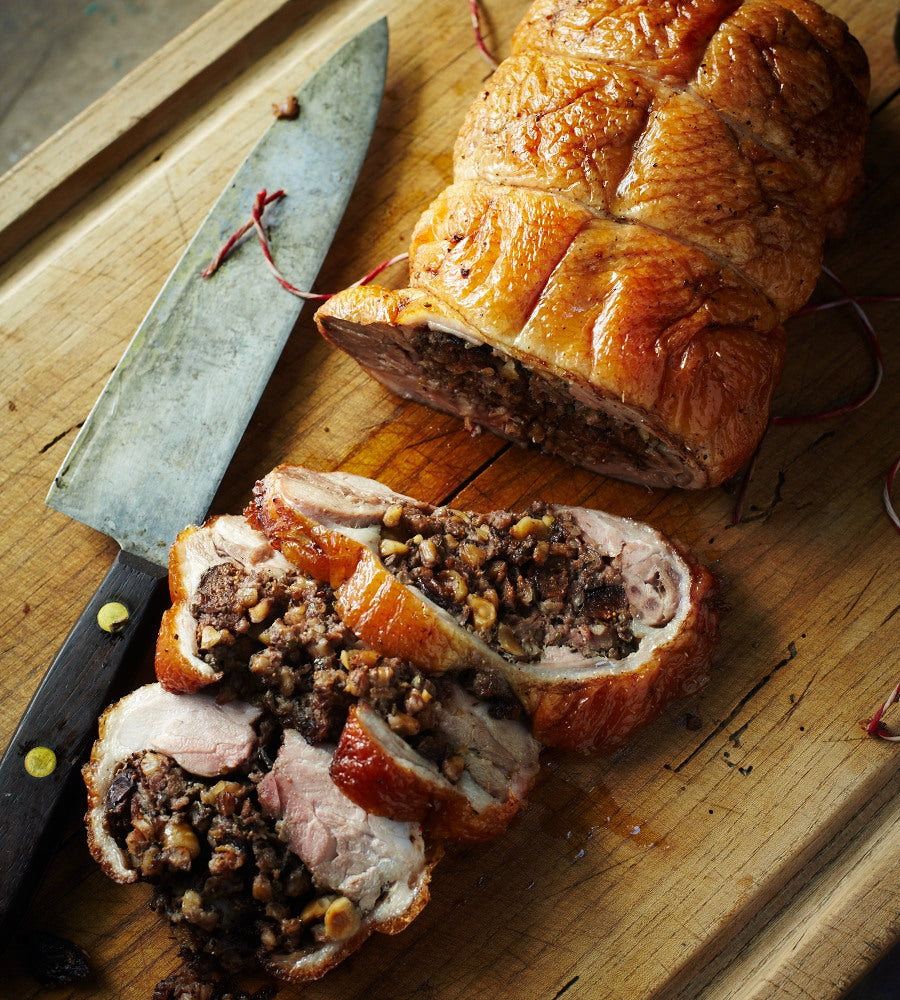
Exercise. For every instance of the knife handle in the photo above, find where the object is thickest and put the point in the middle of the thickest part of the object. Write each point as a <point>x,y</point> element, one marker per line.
<point>53,739</point>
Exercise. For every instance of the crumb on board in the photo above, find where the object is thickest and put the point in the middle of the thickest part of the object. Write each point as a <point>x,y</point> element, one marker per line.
<point>287,107</point>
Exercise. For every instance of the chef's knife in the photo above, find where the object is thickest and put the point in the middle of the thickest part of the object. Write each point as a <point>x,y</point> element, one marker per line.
<point>156,445</point>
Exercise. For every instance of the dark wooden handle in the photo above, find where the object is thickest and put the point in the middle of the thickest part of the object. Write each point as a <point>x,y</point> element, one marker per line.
<point>54,737</point>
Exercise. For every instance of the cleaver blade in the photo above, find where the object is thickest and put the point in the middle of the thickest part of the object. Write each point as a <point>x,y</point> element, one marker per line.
<point>156,444</point>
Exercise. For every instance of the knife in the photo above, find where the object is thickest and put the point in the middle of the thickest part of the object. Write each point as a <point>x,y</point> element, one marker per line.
<point>140,469</point>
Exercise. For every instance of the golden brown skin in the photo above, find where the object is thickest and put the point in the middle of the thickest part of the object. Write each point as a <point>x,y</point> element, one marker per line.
<point>573,703</point>
<point>602,712</point>
<point>369,770</point>
<point>641,197</point>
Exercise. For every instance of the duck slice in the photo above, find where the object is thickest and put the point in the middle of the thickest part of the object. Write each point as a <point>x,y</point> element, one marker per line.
<point>276,867</point>
<point>225,548</point>
<point>331,525</point>
<point>204,737</point>
<point>475,779</point>
<point>594,621</point>
<point>372,872</point>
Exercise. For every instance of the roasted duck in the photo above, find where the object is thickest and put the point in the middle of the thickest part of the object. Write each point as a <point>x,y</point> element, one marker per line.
<point>641,196</point>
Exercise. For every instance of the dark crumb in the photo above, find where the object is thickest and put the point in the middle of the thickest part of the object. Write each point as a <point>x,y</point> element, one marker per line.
<point>53,960</point>
<point>287,107</point>
<point>693,722</point>
<point>193,982</point>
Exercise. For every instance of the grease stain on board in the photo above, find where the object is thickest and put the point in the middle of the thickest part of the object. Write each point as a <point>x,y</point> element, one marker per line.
<point>577,816</point>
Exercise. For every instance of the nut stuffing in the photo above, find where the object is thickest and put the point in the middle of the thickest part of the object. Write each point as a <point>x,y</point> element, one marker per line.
<point>213,858</point>
<point>521,582</point>
<point>305,665</point>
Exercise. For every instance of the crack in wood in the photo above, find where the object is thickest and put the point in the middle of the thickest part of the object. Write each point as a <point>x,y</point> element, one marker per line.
<point>764,513</point>
<point>862,590</point>
<point>465,483</point>
<point>568,985</point>
<point>894,93</point>
<point>738,708</point>
<point>59,437</point>
<point>891,615</point>
<point>797,698</point>
<point>819,440</point>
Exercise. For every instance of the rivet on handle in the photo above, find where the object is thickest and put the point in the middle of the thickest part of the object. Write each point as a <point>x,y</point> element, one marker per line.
<point>40,762</point>
<point>112,616</point>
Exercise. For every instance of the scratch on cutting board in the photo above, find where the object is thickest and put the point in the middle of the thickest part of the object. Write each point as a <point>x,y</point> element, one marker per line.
<point>792,652</point>
<point>59,437</point>
<point>891,615</point>
<point>735,737</point>
<point>568,985</point>
<point>453,494</point>
<point>860,593</point>
<point>764,513</point>
<point>796,699</point>
<point>183,231</point>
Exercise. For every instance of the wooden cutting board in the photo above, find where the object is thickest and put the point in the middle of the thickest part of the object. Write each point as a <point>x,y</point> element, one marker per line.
<point>743,846</point>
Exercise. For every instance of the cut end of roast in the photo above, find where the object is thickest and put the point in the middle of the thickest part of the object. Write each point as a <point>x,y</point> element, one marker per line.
<point>518,399</point>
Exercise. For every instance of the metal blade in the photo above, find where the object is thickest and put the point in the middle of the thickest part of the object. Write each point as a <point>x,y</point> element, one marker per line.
<point>154,448</point>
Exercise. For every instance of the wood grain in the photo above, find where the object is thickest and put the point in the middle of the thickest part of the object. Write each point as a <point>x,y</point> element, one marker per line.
<point>738,847</point>
<point>177,79</point>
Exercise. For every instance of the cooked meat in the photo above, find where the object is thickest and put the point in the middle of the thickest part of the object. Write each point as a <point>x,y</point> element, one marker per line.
<point>377,676</point>
<point>200,734</point>
<point>465,781</point>
<point>300,663</point>
<point>545,584</point>
<point>248,864</point>
<point>593,622</point>
<point>640,198</point>
<point>292,506</point>
<point>345,849</point>
<point>222,876</point>
<point>372,871</point>
<point>230,544</point>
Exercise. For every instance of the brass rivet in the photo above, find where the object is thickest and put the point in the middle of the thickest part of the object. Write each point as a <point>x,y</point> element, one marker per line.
<point>112,617</point>
<point>40,761</point>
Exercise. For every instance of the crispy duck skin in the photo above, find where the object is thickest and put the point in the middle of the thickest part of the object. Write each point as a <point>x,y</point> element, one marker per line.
<point>640,198</point>
<point>576,699</point>
<point>497,760</point>
<point>226,539</point>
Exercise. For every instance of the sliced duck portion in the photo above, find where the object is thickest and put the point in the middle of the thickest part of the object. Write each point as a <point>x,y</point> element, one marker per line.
<point>248,864</point>
<point>256,626</point>
<point>200,736</point>
<point>594,622</point>
<point>640,197</point>
<point>370,873</point>
<point>225,553</point>
<point>464,781</point>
